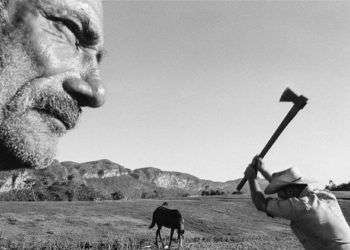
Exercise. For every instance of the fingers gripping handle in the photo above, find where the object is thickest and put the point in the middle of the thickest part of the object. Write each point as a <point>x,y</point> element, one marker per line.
<point>244,180</point>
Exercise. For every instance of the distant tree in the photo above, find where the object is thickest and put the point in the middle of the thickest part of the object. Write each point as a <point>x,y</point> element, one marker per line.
<point>86,193</point>
<point>237,192</point>
<point>69,194</point>
<point>100,173</point>
<point>212,192</point>
<point>70,177</point>
<point>205,193</point>
<point>144,195</point>
<point>117,195</point>
<point>341,187</point>
<point>151,194</point>
<point>45,181</point>
<point>330,185</point>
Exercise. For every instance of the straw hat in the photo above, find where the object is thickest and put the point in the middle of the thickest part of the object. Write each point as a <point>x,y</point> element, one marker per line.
<point>284,178</point>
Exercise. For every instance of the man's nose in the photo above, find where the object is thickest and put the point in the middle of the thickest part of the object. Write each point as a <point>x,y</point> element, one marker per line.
<point>88,93</point>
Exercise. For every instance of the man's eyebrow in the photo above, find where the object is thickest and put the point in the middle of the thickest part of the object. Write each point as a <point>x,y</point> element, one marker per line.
<point>91,31</point>
<point>90,35</point>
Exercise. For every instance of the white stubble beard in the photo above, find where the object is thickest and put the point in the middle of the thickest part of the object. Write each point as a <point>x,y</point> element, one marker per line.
<point>24,142</point>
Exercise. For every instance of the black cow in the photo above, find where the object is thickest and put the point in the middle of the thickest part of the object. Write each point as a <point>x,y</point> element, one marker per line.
<point>170,218</point>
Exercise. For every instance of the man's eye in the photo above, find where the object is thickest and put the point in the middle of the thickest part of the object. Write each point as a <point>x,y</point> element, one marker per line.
<point>84,34</point>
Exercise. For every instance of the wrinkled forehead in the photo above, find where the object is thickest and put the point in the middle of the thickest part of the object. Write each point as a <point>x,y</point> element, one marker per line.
<point>90,6</point>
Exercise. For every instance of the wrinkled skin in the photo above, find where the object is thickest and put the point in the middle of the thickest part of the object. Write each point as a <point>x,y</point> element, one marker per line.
<point>49,69</point>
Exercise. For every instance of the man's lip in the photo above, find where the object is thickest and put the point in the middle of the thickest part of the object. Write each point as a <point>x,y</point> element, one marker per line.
<point>53,115</point>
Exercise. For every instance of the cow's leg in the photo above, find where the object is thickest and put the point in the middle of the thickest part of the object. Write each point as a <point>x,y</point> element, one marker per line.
<point>157,232</point>
<point>179,238</point>
<point>171,236</point>
<point>160,237</point>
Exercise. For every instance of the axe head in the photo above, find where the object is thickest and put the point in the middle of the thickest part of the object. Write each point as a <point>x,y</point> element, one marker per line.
<point>289,96</point>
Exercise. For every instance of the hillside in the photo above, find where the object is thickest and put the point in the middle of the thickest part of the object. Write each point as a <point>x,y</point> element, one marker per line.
<point>102,179</point>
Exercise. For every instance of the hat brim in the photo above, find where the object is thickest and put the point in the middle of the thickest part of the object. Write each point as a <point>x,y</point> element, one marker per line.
<point>275,186</point>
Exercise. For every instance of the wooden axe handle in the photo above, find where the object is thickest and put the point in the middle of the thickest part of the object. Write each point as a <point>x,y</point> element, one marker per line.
<point>287,119</point>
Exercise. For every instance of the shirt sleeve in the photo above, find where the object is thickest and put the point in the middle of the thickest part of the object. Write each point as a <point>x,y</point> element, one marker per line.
<point>288,209</point>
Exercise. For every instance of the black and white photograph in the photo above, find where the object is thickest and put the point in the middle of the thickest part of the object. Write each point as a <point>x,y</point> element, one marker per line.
<point>156,124</point>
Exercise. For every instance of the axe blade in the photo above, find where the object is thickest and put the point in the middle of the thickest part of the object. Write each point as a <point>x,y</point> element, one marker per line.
<point>288,96</point>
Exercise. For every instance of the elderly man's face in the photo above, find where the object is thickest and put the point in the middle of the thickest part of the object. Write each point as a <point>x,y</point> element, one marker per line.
<point>49,56</point>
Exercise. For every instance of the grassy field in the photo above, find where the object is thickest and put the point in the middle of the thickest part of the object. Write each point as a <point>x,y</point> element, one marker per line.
<point>211,223</point>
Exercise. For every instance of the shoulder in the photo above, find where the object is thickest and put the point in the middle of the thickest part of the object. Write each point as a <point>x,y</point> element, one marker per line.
<point>289,209</point>
<point>315,196</point>
<point>325,194</point>
<point>295,207</point>
<point>294,202</point>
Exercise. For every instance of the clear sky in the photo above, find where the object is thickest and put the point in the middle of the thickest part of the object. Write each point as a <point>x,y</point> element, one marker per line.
<point>194,87</point>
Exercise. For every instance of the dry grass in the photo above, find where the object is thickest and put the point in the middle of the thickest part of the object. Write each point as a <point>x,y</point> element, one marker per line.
<point>211,223</point>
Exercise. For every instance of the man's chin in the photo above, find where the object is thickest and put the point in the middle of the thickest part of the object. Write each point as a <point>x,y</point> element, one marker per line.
<point>13,159</point>
<point>24,145</point>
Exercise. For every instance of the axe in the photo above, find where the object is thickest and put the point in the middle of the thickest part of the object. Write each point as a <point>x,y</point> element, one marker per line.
<point>299,103</point>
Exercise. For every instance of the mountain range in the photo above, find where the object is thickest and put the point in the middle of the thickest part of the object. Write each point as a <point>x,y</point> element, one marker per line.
<point>104,179</point>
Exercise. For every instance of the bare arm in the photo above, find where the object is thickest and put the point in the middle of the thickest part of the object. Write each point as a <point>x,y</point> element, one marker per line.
<point>265,173</point>
<point>257,195</point>
<point>259,165</point>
